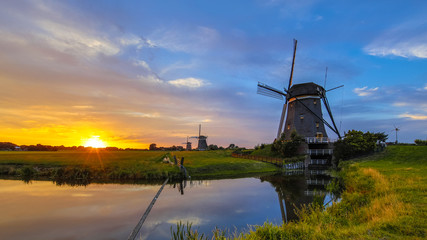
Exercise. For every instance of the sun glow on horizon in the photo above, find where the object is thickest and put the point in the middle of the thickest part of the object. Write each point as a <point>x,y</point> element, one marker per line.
<point>94,142</point>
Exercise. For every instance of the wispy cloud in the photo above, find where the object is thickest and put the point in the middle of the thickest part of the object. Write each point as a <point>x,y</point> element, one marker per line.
<point>365,91</point>
<point>413,116</point>
<point>408,40</point>
<point>66,38</point>
<point>188,82</point>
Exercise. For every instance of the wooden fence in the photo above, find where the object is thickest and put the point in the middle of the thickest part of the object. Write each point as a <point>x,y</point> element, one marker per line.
<point>276,161</point>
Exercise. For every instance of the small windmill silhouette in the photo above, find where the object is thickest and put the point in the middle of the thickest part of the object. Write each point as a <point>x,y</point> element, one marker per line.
<point>396,129</point>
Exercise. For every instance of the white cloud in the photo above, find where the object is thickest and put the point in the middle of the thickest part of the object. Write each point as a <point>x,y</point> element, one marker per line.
<point>413,116</point>
<point>407,40</point>
<point>141,63</point>
<point>365,91</point>
<point>406,49</point>
<point>75,41</point>
<point>188,82</point>
<point>150,79</point>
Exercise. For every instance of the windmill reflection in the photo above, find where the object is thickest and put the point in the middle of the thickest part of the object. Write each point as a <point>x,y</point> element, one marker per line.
<point>293,191</point>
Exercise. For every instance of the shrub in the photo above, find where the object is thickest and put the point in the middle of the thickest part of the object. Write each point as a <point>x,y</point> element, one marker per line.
<point>420,142</point>
<point>357,143</point>
<point>287,148</point>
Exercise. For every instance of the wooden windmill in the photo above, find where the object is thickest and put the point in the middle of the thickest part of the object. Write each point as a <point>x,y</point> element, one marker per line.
<point>187,145</point>
<point>202,143</point>
<point>302,109</point>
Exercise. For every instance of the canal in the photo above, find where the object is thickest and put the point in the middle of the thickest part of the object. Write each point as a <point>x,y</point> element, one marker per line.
<point>44,210</point>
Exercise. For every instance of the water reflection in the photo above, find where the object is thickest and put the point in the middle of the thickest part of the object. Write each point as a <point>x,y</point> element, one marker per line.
<point>296,189</point>
<point>46,210</point>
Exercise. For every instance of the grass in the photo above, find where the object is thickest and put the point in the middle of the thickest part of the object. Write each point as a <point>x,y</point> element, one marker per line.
<point>384,197</point>
<point>220,164</point>
<point>124,165</point>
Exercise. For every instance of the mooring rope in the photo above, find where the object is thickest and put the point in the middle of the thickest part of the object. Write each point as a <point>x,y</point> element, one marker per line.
<point>142,220</point>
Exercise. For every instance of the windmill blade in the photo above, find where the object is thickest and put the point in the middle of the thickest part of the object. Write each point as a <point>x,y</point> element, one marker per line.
<point>264,89</point>
<point>328,108</point>
<point>282,118</point>
<point>293,63</point>
<point>334,88</point>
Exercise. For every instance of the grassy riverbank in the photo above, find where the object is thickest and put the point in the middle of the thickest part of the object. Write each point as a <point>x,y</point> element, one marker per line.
<point>123,165</point>
<point>384,197</point>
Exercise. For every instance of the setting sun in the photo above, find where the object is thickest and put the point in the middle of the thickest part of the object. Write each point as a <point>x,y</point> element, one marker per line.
<point>95,142</point>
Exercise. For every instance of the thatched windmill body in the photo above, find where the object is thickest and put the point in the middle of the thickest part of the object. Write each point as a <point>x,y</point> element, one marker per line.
<point>302,110</point>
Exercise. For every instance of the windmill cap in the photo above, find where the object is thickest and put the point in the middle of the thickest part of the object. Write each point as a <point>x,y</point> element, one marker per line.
<point>304,89</point>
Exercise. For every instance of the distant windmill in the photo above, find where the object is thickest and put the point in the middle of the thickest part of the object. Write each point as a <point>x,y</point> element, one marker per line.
<point>202,143</point>
<point>302,109</point>
<point>187,145</point>
<point>396,129</point>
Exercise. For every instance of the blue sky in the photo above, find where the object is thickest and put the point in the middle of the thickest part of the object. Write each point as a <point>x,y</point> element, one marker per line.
<point>137,72</point>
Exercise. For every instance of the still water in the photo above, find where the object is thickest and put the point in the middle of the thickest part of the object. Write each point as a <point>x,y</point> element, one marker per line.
<point>43,210</point>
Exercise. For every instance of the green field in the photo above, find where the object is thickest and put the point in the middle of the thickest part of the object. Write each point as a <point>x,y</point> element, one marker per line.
<point>125,165</point>
<point>219,164</point>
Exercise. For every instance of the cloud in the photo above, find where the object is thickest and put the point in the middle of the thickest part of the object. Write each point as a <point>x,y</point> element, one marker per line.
<point>408,40</point>
<point>413,116</point>
<point>363,92</point>
<point>66,38</point>
<point>188,82</point>
<point>142,63</point>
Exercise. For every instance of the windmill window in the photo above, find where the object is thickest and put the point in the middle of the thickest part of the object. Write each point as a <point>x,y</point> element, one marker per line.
<point>289,126</point>
<point>315,102</point>
<point>317,124</point>
<point>301,116</point>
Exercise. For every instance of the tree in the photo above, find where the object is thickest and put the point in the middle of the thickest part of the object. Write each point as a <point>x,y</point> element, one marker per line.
<point>287,148</point>
<point>232,146</point>
<point>356,143</point>
<point>213,147</point>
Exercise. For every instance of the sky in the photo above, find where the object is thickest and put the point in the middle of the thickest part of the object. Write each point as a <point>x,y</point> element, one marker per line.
<point>140,72</point>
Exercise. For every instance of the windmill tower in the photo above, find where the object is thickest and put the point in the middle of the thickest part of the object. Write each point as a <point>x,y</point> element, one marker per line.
<point>202,143</point>
<point>396,129</point>
<point>187,145</point>
<point>302,112</point>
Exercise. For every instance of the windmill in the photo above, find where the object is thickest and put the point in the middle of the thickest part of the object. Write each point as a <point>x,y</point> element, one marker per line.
<point>187,145</point>
<point>396,129</point>
<point>302,109</point>
<point>202,144</point>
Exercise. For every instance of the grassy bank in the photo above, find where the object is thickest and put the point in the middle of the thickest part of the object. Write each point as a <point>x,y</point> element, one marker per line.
<point>220,164</point>
<point>123,165</point>
<point>384,197</point>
